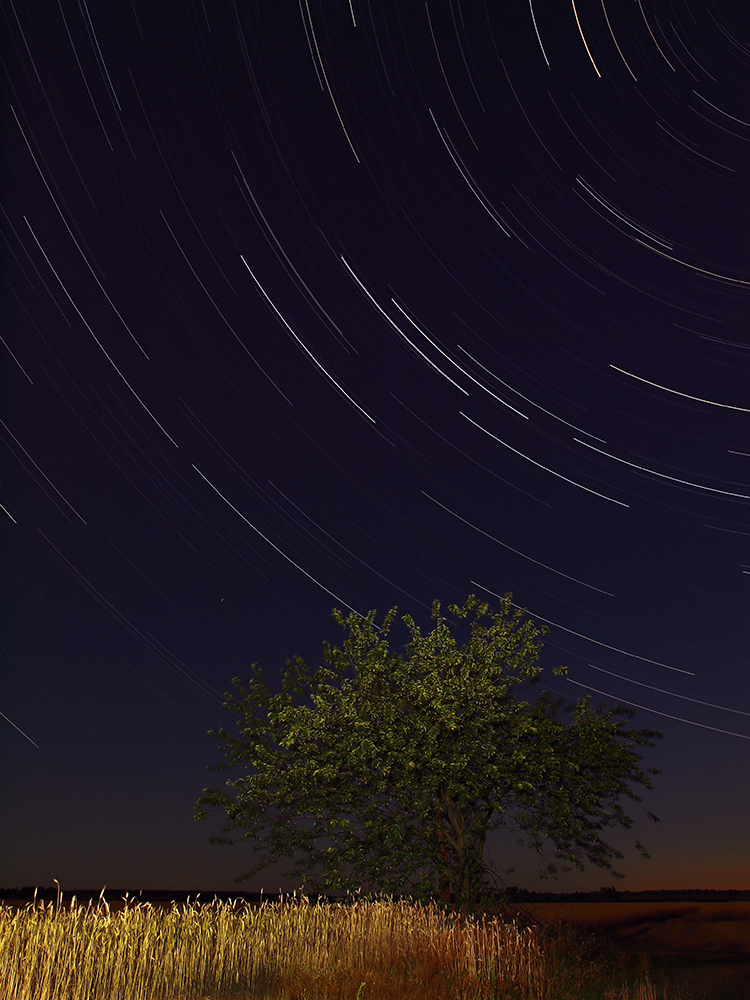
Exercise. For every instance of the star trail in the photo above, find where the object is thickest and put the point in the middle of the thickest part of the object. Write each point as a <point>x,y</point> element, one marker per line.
<point>357,304</point>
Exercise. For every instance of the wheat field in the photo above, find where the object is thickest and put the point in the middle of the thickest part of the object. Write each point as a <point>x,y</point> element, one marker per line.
<point>291,950</point>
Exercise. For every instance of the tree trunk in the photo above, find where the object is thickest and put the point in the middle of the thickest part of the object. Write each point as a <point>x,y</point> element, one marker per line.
<point>444,879</point>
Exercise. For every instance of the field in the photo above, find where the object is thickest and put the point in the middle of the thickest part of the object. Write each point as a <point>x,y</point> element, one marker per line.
<point>661,927</point>
<point>294,950</point>
<point>708,943</point>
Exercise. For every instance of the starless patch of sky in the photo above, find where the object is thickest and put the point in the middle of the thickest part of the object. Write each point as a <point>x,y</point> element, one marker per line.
<point>313,305</point>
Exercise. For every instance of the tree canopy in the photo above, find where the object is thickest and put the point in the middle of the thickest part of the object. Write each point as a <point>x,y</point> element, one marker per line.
<point>388,769</point>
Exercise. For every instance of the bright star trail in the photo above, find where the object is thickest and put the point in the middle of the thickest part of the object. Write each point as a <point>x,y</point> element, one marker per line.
<point>353,304</point>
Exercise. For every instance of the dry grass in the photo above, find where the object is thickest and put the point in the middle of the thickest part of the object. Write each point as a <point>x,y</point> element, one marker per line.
<point>293,950</point>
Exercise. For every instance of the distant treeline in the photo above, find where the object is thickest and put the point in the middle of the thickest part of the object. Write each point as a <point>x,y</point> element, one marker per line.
<point>607,894</point>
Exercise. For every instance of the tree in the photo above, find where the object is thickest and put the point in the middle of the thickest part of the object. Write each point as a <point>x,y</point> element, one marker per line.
<point>390,769</point>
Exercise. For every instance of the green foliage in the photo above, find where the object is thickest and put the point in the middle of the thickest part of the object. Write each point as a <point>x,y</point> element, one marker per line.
<point>389,769</point>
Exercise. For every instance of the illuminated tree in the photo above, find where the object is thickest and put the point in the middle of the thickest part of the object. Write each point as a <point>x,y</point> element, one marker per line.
<point>389,769</point>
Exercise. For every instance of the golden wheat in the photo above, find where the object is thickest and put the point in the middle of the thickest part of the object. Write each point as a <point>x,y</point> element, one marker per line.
<point>290,950</point>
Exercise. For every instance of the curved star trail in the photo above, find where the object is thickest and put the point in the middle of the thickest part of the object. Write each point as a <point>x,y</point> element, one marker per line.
<point>355,304</point>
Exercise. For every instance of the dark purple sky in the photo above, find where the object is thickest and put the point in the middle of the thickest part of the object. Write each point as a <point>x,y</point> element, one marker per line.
<point>361,304</point>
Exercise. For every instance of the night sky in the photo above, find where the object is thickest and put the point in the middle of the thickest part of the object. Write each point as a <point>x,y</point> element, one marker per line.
<point>356,303</point>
